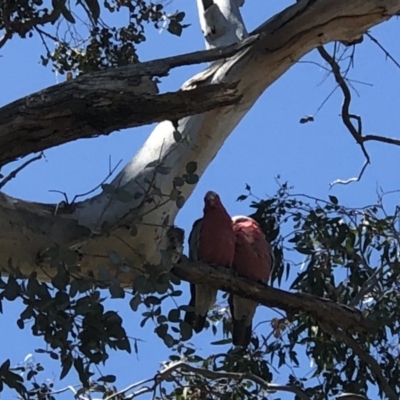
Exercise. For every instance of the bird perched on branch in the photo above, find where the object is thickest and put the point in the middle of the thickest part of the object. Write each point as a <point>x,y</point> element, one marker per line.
<point>211,240</point>
<point>253,260</point>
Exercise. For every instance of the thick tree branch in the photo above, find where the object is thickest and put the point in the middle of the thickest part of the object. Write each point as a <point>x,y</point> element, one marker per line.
<point>321,309</point>
<point>81,109</point>
<point>100,103</point>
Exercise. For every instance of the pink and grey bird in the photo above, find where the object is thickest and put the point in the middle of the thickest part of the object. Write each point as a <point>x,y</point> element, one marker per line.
<point>253,260</point>
<point>211,240</point>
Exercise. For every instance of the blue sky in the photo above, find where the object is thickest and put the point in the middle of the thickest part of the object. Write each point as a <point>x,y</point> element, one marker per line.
<point>269,141</point>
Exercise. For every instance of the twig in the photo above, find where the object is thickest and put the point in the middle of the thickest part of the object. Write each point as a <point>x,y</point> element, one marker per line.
<point>4,39</point>
<point>14,173</point>
<point>350,180</point>
<point>110,172</point>
<point>60,192</point>
<point>382,139</point>
<point>367,359</point>
<point>387,54</point>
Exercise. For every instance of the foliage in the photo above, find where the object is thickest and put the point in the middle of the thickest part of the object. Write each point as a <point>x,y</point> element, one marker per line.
<point>85,37</point>
<point>349,255</point>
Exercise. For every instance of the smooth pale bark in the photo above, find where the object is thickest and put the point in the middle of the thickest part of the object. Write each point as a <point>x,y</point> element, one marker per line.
<point>281,42</point>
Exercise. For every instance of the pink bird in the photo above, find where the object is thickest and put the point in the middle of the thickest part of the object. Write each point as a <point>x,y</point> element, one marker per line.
<point>211,240</point>
<point>253,260</point>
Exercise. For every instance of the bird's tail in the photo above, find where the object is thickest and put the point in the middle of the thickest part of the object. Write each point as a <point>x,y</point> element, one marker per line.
<point>241,334</point>
<point>196,321</point>
<point>241,327</point>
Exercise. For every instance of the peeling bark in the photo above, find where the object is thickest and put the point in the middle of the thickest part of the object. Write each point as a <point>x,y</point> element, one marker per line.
<point>100,103</point>
<point>103,222</point>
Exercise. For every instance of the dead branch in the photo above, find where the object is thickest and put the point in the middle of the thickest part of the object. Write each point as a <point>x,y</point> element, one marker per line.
<point>347,117</point>
<point>102,102</point>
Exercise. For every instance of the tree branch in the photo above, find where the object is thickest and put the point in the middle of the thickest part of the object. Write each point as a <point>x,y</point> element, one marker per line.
<point>347,118</point>
<point>320,308</point>
<point>102,102</point>
<point>235,376</point>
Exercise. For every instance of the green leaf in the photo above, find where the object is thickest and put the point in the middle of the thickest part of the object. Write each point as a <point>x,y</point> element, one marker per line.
<point>303,250</point>
<point>221,342</point>
<point>174,315</point>
<point>94,8</point>
<point>66,366</point>
<point>179,16</point>
<point>65,12</point>
<point>180,201</point>
<point>135,302</point>
<point>186,331</point>
<point>152,164</point>
<point>61,280</point>
<point>108,378</point>
<point>177,136</point>
<point>333,200</point>
<point>152,300</point>
<point>140,284</point>
<point>178,181</point>
<point>116,290</point>
<point>191,167</point>
<point>163,170</point>
<point>161,330</point>
<point>175,28</point>
<point>192,179</point>
<point>161,319</point>
<point>168,340</point>
<point>174,194</point>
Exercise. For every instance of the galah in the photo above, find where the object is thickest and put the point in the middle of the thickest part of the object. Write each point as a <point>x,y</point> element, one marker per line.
<point>211,240</point>
<point>253,260</point>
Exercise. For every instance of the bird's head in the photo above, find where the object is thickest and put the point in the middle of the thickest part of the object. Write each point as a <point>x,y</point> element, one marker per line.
<point>211,199</point>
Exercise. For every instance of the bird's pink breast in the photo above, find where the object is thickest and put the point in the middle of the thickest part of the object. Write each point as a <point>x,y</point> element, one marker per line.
<point>217,239</point>
<point>253,252</point>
